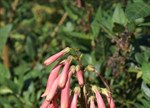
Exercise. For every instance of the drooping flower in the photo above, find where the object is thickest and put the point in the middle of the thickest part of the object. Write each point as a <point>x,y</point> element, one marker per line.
<point>52,76</point>
<point>65,92</point>
<point>53,58</point>
<point>92,104</point>
<point>53,89</point>
<point>75,97</point>
<point>99,99</point>
<point>64,73</point>
<point>111,102</point>
<point>79,75</point>
<point>45,104</point>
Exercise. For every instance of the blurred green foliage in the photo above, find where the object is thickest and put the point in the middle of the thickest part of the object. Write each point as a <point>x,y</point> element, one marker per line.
<point>113,35</point>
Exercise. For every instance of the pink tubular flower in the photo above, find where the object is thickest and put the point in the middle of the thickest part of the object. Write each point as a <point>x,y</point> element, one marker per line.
<point>99,99</point>
<point>79,76</point>
<point>92,104</point>
<point>52,76</point>
<point>64,74</point>
<point>65,93</point>
<point>45,104</point>
<point>111,102</point>
<point>75,98</point>
<point>53,90</point>
<point>53,58</point>
<point>54,102</point>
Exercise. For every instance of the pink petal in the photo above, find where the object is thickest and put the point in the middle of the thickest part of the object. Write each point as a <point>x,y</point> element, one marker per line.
<point>79,76</point>
<point>52,76</point>
<point>53,89</point>
<point>45,104</point>
<point>53,58</point>
<point>74,101</point>
<point>92,104</point>
<point>64,74</point>
<point>65,93</point>
<point>111,102</point>
<point>100,101</point>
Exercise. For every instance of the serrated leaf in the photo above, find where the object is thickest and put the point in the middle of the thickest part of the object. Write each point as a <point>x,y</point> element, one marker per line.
<point>4,33</point>
<point>119,16</point>
<point>146,72</point>
<point>137,10</point>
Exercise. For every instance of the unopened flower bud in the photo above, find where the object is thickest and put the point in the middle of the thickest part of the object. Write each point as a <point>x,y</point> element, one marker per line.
<point>64,74</point>
<point>75,97</point>
<point>65,92</point>
<point>53,58</point>
<point>53,75</point>
<point>79,75</point>
<point>92,104</point>
<point>53,90</point>
<point>90,68</point>
<point>111,102</point>
<point>99,99</point>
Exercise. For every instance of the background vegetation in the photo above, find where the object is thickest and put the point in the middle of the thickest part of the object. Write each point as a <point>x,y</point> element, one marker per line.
<point>113,35</point>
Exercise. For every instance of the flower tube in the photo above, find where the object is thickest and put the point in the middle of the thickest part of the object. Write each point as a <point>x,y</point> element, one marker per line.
<point>53,90</point>
<point>53,58</point>
<point>65,92</point>
<point>75,97</point>
<point>52,76</point>
<point>79,75</point>
<point>111,102</point>
<point>99,99</point>
<point>64,74</point>
<point>92,104</point>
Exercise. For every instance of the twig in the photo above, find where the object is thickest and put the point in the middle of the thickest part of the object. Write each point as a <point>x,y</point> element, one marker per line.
<point>59,24</point>
<point>103,80</point>
<point>6,56</point>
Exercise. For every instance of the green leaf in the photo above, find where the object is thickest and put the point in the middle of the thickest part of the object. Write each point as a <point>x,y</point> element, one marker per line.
<point>95,24</point>
<point>30,47</point>
<point>13,86</point>
<point>140,58</point>
<point>4,33</point>
<point>137,10</point>
<point>146,89</point>
<point>145,24</point>
<point>5,90</point>
<point>87,59</point>
<point>71,13</point>
<point>4,73</point>
<point>118,28</point>
<point>138,1</point>
<point>131,26</point>
<point>146,72</point>
<point>119,16</point>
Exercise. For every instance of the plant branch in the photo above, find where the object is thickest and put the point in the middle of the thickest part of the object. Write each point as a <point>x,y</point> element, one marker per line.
<point>59,24</point>
<point>6,56</point>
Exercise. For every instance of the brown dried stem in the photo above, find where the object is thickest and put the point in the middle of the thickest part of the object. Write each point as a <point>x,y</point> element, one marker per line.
<point>59,24</point>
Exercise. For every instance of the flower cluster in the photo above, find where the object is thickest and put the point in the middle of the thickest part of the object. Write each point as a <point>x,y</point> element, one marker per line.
<point>58,92</point>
